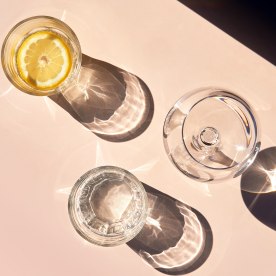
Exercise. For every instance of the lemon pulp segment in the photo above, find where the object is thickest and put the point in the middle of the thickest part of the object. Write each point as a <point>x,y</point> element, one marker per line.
<point>43,60</point>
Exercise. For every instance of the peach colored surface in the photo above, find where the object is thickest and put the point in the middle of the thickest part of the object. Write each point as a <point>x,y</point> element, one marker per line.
<point>44,150</point>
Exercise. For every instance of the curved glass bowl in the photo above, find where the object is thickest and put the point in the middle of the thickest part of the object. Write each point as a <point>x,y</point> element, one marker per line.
<point>23,29</point>
<point>108,206</point>
<point>211,134</point>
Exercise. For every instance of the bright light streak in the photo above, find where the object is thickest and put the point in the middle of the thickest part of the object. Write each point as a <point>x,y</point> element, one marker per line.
<point>272,177</point>
<point>145,167</point>
<point>154,222</point>
<point>64,191</point>
<point>63,16</point>
<point>7,91</point>
<point>99,155</point>
<point>50,107</point>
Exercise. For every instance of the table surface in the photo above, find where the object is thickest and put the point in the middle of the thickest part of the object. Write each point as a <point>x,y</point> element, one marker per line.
<point>44,150</point>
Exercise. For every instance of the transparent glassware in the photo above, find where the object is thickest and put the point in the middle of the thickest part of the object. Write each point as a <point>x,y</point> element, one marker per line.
<point>211,134</point>
<point>111,102</point>
<point>108,206</point>
<point>24,29</point>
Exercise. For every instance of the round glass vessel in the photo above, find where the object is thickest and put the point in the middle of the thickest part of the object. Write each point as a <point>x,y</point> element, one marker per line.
<point>108,206</point>
<point>26,42</point>
<point>211,134</point>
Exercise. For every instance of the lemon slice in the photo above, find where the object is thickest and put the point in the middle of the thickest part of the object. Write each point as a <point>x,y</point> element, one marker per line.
<point>44,60</point>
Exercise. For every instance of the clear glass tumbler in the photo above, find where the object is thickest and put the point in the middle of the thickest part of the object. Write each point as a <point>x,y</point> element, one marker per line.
<point>31,37</point>
<point>108,206</point>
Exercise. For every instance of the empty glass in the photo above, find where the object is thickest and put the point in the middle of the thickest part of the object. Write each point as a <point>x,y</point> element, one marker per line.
<point>211,134</point>
<point>108,206</point>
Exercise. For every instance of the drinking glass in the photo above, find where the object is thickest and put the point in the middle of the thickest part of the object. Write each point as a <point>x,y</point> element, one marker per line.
<point>24,30</point>
<point>111,102</point>
<point>211,134</point>
<point>108,206</point>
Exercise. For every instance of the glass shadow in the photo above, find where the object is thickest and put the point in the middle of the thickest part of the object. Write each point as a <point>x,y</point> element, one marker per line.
<point>176,238</point>
<point>114,104</point>
<point>258,187</point>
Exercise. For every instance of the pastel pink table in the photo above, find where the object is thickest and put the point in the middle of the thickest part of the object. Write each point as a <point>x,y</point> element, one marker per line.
<point>43,150</point>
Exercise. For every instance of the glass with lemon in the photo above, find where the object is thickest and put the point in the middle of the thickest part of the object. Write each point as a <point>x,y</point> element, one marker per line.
<point>41,56</point>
